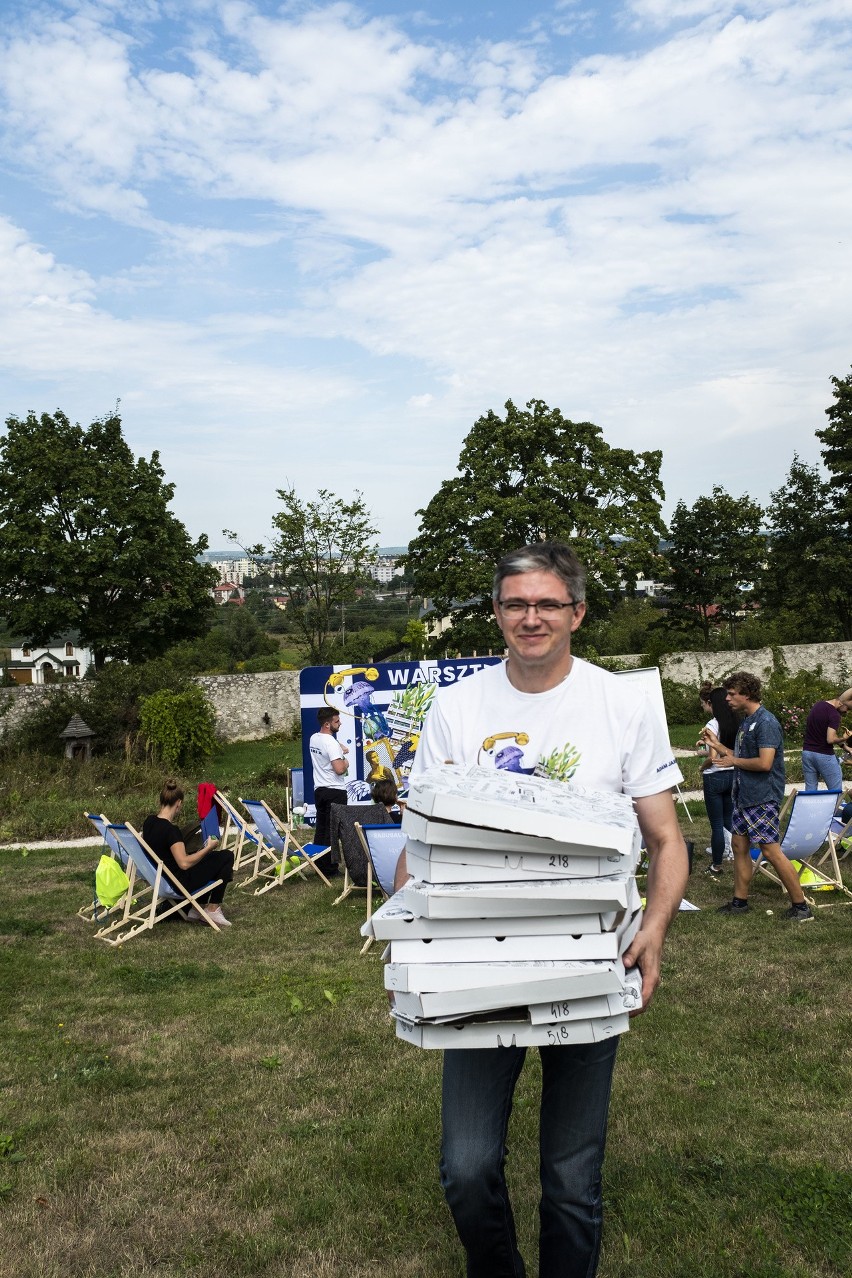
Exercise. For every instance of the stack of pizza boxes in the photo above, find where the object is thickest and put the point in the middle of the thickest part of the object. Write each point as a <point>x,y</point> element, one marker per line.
<point>522,904</point>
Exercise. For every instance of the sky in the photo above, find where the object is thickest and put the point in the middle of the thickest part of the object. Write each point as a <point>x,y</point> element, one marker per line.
<point>309,244</point>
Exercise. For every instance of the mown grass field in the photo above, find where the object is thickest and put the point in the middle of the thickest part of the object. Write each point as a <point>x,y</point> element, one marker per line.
<point>233,1105</point>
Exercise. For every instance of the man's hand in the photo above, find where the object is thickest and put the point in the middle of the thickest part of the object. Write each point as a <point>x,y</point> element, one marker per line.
<point>667,874</point>
<point>646,953</point>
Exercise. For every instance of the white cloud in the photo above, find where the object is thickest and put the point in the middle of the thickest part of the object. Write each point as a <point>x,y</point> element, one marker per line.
<point>640,237</point>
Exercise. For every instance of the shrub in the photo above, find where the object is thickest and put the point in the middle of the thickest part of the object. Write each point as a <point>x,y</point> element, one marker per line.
<point>790,697</point>
<point>681,701</point>
<point>178,726</point>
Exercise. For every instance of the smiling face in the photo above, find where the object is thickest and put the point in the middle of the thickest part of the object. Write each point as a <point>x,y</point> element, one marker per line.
<point>539,643</point>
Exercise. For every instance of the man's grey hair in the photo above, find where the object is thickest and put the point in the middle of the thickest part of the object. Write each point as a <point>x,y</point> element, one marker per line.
<point>544,556</point>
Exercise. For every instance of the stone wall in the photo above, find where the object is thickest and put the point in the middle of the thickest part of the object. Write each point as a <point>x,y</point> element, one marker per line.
<point>693,667</point>
<point>17,703</point>
<point>240,701</point>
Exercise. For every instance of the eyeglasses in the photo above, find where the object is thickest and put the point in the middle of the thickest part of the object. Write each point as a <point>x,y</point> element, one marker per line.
<point>544,607</point>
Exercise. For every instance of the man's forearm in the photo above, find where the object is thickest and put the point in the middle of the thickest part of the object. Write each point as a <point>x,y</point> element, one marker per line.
<point>748,765</point>
<point>401,875</point>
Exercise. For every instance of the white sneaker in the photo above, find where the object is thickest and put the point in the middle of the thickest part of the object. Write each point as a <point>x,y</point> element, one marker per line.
<point>728,855</point>
<point>193,916</point>
<point>218,917</point>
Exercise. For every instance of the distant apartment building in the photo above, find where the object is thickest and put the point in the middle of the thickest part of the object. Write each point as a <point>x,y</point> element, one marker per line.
<point>385,568</point>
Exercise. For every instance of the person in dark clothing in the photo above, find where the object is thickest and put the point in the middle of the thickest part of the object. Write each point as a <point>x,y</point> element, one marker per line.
<point>718,781</point>
<point>192,869</point>
<point>384,792</point>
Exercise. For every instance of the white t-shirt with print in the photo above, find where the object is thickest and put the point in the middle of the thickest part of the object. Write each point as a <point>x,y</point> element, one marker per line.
<point>325,748</point>
<point>593,728</point>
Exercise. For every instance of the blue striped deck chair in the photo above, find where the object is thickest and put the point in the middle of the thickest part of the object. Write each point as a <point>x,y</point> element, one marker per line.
<point>278,841</point>
<point>807,833</point>
<point>246,846</point>
<point>382,845</point>
<point>840,834</point>
<point>168,895</point>
<point>94,911</point>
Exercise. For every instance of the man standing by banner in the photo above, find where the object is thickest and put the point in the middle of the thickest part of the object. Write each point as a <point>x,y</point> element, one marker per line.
<point>328,759</point>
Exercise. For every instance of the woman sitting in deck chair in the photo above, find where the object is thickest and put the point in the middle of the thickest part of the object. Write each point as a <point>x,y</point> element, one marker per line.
<point>193,869</point>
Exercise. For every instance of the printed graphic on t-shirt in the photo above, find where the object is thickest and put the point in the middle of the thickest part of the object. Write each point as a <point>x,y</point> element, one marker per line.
<point>505,751</point>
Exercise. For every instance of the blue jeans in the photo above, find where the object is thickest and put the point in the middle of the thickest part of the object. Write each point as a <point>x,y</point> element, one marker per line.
<point>477,1102</point>
<point>826,766</point>
<point>720,807</point>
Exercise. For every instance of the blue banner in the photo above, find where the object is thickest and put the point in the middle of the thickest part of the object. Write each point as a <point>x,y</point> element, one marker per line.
<point>382,708</point>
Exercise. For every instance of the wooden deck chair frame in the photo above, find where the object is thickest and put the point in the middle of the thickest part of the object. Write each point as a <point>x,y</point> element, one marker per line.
<point>93,911</point>
<point>247,849</point>
<point>820,876</point>
<point>166,890</point>
<point>349,886</point>
<point>363,832</point>
<point>277,842</point>
<point>839,832</point>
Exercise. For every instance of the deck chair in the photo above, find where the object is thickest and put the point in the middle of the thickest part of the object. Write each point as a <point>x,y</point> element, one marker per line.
<point>94,912</point>
<point>347,844</point>
<point>382,845</point>
<point>297,789</point>
<point>279,845</point>
<point>840,837</point>
<point>239,837</point>
<point>168,895</point>
<point>807,833</point>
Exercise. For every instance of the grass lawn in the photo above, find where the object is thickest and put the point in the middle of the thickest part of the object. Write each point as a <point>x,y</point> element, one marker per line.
<point>232,1105</point>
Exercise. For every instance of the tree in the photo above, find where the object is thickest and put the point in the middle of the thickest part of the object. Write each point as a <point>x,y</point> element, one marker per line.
<point>810,556</point>
<point>87,542</point>
<point>837,453</point>
<point>534,476</point>
<point>323,548</point>
<point>715,554</point>
<point>414,638</point>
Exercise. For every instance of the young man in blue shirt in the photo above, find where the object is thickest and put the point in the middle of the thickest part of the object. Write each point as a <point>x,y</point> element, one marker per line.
<point>758,762</point>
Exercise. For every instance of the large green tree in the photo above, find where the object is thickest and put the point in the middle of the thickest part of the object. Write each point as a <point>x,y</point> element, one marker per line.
<point>809,571</point>
<point>714,557</point>
<point>322,549</point>
<point>87,542</point>
<point>532,476</point>
<point>836,438</point>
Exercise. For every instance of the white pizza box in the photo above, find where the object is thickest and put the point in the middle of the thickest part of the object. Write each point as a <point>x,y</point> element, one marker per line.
<point>515,1033</point>
<point>393,921</point>
<point>627,999</point>
<point>524,982</point>
<point>483,949</point>
<point>566,995</point>
<point>423,1007</point>
<point>498,900</point>
<point>450,834</point>
<point>437,865</point>
<point>499,800</point>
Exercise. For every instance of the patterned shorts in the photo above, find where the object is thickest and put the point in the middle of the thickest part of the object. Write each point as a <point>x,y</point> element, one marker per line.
<point>760,825</point>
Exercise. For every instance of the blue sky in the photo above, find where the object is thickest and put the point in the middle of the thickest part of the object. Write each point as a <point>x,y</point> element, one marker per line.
<point>312,243</point>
